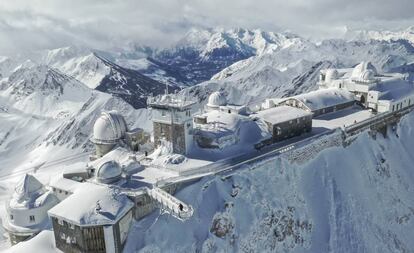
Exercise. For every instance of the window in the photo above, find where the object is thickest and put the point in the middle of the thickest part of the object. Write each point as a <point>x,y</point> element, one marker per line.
<point>60,222</point>
<point>60,191</point>
<point>31,218</point>
<point>278,131</point>
<point>298,120</point>
<point>290,121</point>
<point>393,107</point>
<point>163,113</point>
<point>71,226</point>
<point>11,217</point>
<point>62,236</point>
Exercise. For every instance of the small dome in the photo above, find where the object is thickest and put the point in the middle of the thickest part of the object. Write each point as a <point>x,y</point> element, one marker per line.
<point>108,172</point>
<point>331,74</point>
<point>109,128</point>
<point>367,75</point>
<point>361,68</point>
<point>216,99</point>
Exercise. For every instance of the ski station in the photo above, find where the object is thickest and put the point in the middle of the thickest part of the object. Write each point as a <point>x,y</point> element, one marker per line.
<point>132,173</point>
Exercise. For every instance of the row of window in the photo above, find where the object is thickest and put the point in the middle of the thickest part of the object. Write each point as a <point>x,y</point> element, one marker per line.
<point>400,105</point>
<point>31,218</point>
<point>60,191</point>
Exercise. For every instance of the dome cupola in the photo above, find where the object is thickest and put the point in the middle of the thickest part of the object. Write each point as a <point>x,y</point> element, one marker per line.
<point>108,172</point>
<point>109,128</point>
<point>216,99</point>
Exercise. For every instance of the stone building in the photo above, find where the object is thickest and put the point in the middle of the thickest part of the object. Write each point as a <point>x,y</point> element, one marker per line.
<point>172,118</point>
<point>93,219</point>
<point>285,121</point>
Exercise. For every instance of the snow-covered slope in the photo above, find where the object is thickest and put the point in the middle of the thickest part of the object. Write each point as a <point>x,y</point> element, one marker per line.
<point>98,72</point>
<point>202,53</point>
<point>348,199</point>
<point>407,34</point>
<point>295,69</point>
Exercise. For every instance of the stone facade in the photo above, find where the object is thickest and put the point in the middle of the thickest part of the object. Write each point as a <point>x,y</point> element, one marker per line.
<point>164,131</point>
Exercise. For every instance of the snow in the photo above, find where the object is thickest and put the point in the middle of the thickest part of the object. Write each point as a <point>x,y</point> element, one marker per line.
<point>339,119</point>
<point>44,242</point>
<point>280,114</point>
<point>323,98</point>
<point>347,199</point>
<point>86,198</point>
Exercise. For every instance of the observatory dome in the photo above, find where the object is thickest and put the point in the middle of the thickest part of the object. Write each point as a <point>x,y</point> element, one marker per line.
<point>361,68</point>
<point>108,172</point>
<point>216,99</point>
<point>109,128</point>
<point>331,74</point>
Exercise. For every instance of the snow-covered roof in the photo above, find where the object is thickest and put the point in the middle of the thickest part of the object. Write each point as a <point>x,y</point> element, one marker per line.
<point>27,186</point>
<point>30,193</point>
<point>109,127</point>
<point>92,204</point>
<point>282,114</point>
<point>216,99</point>
<point>394,89</point>
<point>64,184</point>
<point>324,98</point>
<point>220,123</point>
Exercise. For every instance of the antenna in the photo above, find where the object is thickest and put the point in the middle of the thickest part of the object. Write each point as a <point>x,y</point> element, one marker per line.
<point>166,88</point>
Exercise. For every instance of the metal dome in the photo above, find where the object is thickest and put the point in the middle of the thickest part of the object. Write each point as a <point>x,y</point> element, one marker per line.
<point>362,68</point>
<point>108,172</point>
<point>331,74</point>
<point>216,99</point>
<point>367,75</point>
<point>109,128</point>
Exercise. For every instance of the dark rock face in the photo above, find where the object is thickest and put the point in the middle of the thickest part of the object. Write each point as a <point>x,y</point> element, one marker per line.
<point>130,85</point>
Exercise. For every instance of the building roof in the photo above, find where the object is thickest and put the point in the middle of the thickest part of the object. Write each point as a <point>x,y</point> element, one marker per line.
<point>28,187</point>
<point>91,205</point>
<point>282,114</point>
<point>394,89</point>
<point>323,98</point>
<point>64,184</point>
<point>220,123</point>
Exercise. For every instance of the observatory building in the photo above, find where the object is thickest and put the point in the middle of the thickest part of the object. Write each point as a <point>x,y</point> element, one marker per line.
<point>27,209</point>
<point>172,117</point>
<point>380,92</point>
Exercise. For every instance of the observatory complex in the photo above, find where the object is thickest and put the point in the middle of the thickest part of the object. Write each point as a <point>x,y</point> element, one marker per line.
<point>133,172</point>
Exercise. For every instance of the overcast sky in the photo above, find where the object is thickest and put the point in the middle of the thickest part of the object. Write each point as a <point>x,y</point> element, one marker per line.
<point>39,24</point>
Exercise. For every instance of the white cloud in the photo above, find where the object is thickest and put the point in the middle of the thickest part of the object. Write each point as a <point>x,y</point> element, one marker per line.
<point>37,24</point>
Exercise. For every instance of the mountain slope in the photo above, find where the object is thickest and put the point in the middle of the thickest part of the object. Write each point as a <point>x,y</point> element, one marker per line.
<point>295,69</point>
<point>347,199</point>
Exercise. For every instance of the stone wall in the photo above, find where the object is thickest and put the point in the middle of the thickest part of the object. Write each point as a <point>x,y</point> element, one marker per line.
<point>162,130</point>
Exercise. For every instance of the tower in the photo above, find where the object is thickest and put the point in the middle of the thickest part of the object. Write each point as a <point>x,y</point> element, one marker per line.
<point>172,120</point>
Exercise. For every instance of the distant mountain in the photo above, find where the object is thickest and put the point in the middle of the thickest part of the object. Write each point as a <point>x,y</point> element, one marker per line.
<point>203,53</point>
<point>407,34</point>
<point>294,69</point>
<point>98,72</point>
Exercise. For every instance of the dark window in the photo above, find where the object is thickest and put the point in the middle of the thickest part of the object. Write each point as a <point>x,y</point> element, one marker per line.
<point>31,218</point>
<point>11,217</point>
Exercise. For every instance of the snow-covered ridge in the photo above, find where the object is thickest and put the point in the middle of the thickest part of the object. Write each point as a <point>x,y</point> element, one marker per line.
<point>407,34</point>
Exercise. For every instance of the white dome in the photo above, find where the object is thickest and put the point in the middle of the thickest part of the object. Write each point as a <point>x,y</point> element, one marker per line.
<point>216,99</point>
<point>367,75</point>
<point>109,128</point>
<point>331,74</point>
<point>108,172</point>
<point>362,68</point>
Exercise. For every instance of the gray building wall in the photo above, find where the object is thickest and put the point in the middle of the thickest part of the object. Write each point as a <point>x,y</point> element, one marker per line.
<point>162,130</point>
<point>289,129</point>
